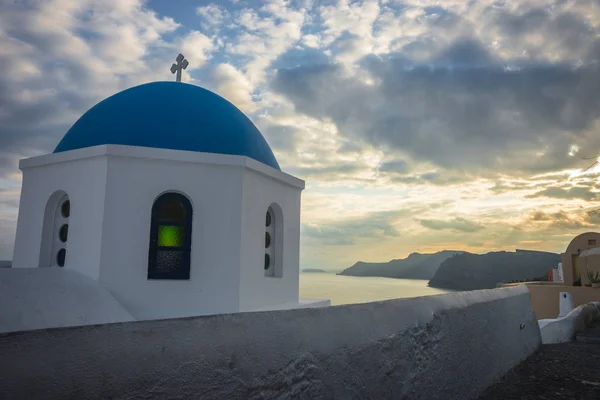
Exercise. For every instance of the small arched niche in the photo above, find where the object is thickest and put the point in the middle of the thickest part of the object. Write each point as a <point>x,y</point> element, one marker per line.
<point>273,259</point>
<point>55,231</point>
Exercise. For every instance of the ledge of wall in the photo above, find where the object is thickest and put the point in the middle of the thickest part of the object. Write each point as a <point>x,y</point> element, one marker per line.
<point>564,329</point>
<point>301,303</point>
<point>37,298</point>
<point>436,347</point>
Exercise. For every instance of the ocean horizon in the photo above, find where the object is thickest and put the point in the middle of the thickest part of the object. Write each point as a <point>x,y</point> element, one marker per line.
<point>341,289</point>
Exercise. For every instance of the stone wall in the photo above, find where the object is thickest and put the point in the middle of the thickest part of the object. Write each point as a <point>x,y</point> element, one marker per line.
<point>437,347</point>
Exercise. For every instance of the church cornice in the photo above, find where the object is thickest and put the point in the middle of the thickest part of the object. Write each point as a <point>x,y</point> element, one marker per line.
<point>111,150</point>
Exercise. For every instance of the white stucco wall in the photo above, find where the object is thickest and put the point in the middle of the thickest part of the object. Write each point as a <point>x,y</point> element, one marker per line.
<point>437,347</point>
<point>38,298</point>
<point>84,181</point>
<point>215,192</point>
<point>112,190</point>
<point>260,191</point>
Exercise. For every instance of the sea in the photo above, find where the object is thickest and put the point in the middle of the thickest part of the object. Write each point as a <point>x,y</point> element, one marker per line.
<point>354,289</point>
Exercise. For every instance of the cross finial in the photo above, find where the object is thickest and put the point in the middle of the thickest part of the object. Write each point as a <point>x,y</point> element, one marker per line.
<point>182,63</point>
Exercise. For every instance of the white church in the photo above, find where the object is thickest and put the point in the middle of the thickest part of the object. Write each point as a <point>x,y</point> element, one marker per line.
<point>161,201</point>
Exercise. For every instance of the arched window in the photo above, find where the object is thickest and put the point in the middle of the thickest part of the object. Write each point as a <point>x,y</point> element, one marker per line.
<point>55,231</point>
<point>170,237</point>
<point>273,241</point>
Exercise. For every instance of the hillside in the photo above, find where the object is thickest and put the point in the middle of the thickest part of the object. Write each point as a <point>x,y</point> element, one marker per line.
<point>474,271</point>
<point>415,266</point>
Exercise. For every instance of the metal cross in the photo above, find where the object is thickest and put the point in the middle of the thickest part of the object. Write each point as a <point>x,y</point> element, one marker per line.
<point>182,63</point>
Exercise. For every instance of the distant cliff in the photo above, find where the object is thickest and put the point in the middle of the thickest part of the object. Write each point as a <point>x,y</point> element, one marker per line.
<point>415,266</point>
<point>314,271</point>
<point>484,271</point>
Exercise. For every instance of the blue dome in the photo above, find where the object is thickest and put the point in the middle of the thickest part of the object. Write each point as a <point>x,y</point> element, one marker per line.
<point>170,115</point>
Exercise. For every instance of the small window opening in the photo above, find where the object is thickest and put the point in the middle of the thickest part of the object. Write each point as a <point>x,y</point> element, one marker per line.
<point>63,233</point>
<point>65,209</point>
<point>60,257</point>
<point>270,224</point>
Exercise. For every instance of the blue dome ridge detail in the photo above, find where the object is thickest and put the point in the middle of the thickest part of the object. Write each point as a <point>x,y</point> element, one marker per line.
<point>169,115</point>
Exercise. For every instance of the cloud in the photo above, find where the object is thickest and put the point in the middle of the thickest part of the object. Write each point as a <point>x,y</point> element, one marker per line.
<point>541,216</point>
<point>439,178</point>
<point>583,193</point>
<point>453,86</point>
<point>266,34</point>
<point>566,221</point>
<point>455,224</point>
<point>212,14</point>
<point>544,33</point>
<point>487,117</point>
<point>311,40</point>
<point>61,57</point>
<point>9,204</point>
<point>328,172</point>
<point>395,166</point>
<point>197,48</point>
<point>347,231</point>
<point>378,104</point>
<point>561,220</point>
<point>341,18</point>
<point>326,235</point>
<point>233,85</point>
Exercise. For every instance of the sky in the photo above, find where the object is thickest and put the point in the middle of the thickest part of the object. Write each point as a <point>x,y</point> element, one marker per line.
<point>418,125</point>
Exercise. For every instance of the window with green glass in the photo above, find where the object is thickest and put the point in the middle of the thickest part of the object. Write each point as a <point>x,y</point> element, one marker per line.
<point>170,237</point>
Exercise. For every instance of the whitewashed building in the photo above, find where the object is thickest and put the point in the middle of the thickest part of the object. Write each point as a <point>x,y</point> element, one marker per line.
<point>170,199</point>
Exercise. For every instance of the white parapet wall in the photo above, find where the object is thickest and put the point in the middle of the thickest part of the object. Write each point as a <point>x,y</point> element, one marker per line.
<point>564,329</point>
<point>37,298</point>
<point>437,347</point>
